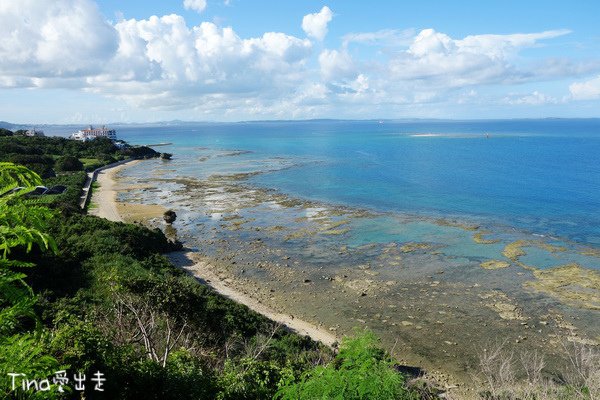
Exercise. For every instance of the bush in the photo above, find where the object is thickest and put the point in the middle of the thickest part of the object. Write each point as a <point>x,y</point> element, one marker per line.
<point>68,163</point>
<point>41,164</point>
<point>361,370</point>
<point>251,379</point>
<point>68,201</point>
<point>140,152</point>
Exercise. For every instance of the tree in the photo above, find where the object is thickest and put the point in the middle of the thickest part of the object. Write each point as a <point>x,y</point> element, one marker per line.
<point>22,226</point>
<point>69,163</point>
<point>5,132</point>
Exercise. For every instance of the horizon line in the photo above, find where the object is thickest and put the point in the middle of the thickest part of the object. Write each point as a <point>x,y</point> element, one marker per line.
<point>178,121</point>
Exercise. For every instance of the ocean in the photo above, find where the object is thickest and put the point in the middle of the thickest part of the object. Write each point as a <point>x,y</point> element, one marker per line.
<point>439,236</point>
<point>540,176</point>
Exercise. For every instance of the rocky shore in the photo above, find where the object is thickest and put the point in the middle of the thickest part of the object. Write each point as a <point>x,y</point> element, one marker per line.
<point>300,261</point>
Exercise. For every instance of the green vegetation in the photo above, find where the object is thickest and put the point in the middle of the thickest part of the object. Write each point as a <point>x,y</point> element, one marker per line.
<point>22,230</point>
<point>49,155</point>
<point>68,163</point>
<point>83,294</point>
<point>361,370</point>
<point>102,297</point>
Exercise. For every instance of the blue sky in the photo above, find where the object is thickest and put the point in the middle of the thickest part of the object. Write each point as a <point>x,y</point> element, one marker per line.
<point>85,61</point>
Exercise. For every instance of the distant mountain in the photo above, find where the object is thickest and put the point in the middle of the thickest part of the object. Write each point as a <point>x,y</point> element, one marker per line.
<point>7,125</point>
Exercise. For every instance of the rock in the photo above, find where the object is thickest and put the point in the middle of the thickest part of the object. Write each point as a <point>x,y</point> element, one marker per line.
<point>169,216</point>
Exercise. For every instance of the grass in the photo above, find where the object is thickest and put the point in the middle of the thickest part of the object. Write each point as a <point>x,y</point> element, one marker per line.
<point>91,163</point>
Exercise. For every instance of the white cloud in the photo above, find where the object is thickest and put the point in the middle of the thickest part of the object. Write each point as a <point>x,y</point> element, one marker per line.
<point>586,90</point>
<point>161,63</point>
<point>336,65</point>
<point>438,59</point>
<point>315,25</point>
<point>387,37</point>
<point>196,5</point>
<point>64,38</point>
<point>535,98</point>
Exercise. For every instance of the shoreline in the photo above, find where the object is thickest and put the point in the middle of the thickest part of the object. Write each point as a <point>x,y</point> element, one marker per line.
<point>409,296</point>
<point>105,198</point>
<point>204,272</point>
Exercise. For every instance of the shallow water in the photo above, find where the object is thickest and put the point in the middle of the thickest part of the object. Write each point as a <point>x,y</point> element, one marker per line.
<point>406,234</point>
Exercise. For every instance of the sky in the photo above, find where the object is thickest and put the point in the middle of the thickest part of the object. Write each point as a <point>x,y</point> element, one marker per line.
<point>86,61</point>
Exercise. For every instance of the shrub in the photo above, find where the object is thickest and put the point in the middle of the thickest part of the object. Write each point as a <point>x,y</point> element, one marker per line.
<point>361,370</point>
<point>5,132</point>
<point>68,163</point>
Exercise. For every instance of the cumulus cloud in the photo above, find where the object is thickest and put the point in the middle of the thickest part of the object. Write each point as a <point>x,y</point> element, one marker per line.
<point>586,90</point>
<point>162,63</point>
<point>315,25</point>
<point>64,38</point>
<point>196,5</point>
<point>438,58</point>
<point>336,65</point>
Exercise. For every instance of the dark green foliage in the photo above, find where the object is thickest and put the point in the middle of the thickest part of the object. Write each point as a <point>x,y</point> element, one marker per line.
<point>81,237</point>
<point>140,152</point>
<point>170,216</point>
<point>108,300</point>
<point>68,201</point>
<point>183,377</point>
<point>361,370</point>
<point>48,155</point>
<point>57,146</point>
<point>68,163</point>
<point>5,132</point>
<point>41,164</point>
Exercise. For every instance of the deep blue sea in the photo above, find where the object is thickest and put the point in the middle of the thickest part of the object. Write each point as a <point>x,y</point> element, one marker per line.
<point>539,176</point>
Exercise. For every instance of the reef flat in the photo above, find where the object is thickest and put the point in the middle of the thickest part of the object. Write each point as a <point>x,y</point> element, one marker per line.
<point>436,289</point>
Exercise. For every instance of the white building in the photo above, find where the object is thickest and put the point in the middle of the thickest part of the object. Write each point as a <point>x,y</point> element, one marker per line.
<point>93,133</point>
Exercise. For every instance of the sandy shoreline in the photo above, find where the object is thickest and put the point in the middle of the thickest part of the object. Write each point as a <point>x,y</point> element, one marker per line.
<point>204,271</point>
<point>105,204</point>
<point>104,198</point>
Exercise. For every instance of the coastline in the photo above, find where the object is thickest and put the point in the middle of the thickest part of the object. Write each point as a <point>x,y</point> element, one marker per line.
<point>425,309</point>
<point>105,198</point>
<point>205,273</point>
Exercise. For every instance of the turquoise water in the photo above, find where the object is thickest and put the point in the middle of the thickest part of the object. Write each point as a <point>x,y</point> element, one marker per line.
<point>537,176</point>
